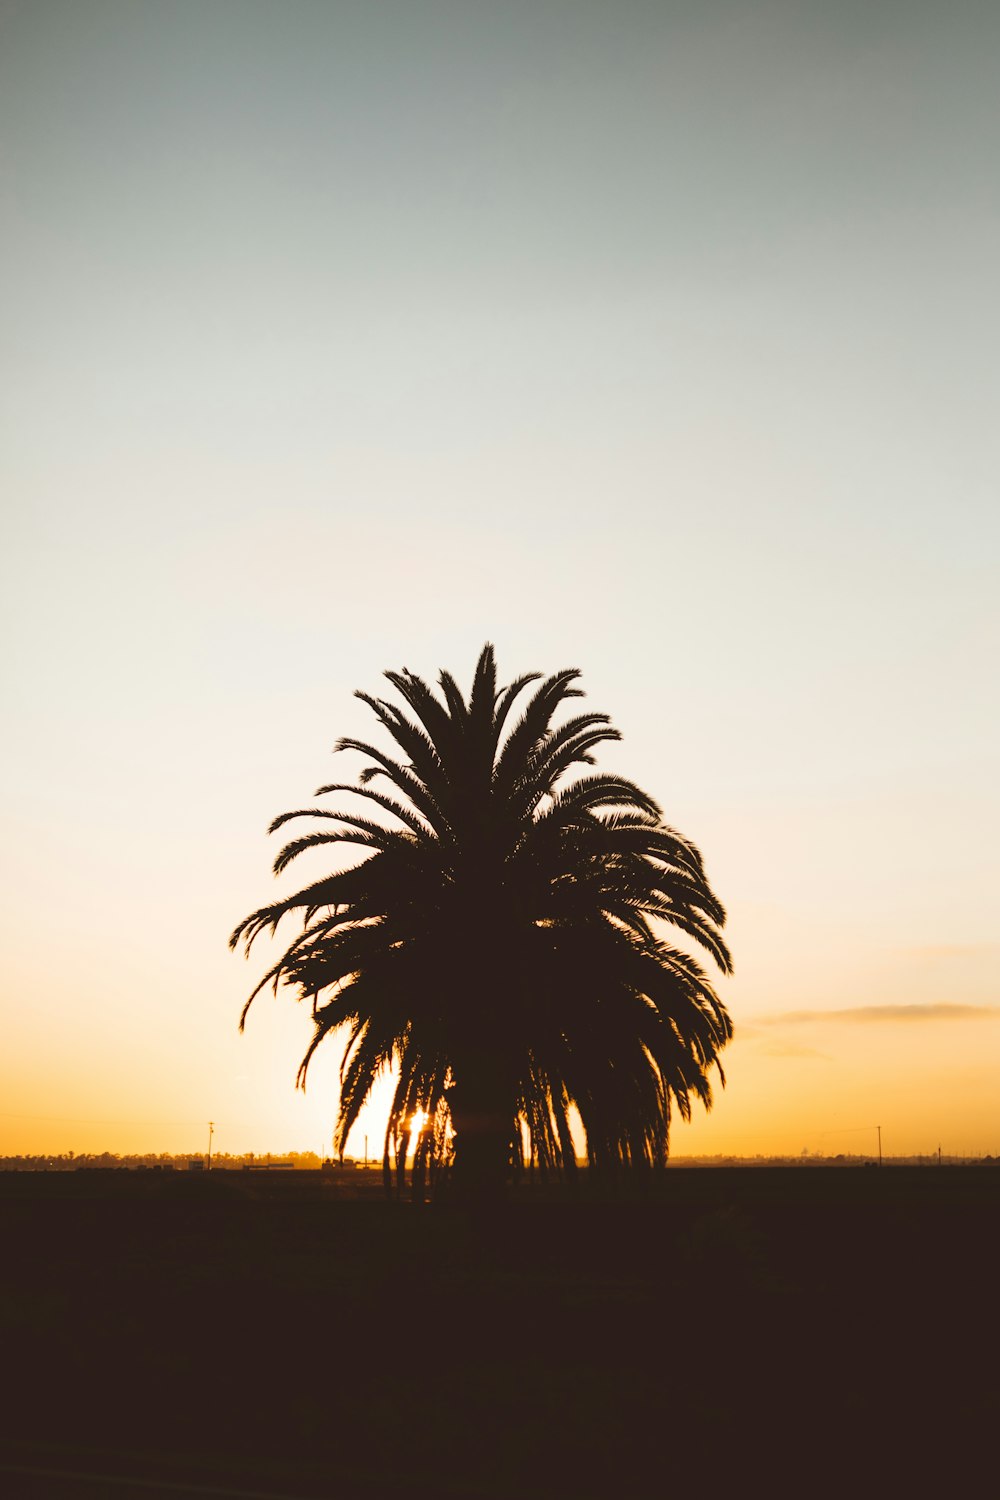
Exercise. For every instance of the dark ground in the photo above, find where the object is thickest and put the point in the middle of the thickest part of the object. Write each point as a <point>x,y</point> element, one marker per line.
<point>795,1330</point>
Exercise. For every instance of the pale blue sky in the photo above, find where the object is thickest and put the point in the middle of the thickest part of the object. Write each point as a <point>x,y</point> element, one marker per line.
<point>655,339</point>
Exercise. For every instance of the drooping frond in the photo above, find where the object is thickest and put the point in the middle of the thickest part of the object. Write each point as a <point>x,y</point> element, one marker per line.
<point>603,790</point>
<point>358,831</point>
<point>388,804</point>
<point>403,779</point>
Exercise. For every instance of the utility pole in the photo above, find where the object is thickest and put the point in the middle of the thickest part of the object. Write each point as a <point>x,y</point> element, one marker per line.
<point>211,1132</point>
<point>879,1129</point>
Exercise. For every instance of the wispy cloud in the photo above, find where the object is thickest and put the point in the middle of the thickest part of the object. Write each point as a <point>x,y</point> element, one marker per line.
<point>869,1013</point>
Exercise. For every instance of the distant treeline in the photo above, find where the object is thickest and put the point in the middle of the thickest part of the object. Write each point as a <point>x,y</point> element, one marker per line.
<point>309,1161</point>
<point>158,1161</point>
<point>815,1159</point>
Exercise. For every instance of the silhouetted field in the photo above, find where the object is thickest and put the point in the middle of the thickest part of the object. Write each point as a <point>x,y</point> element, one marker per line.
<point>269,1333</point>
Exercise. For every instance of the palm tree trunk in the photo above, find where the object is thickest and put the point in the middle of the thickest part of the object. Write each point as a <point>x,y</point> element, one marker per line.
<point>483,1129</point>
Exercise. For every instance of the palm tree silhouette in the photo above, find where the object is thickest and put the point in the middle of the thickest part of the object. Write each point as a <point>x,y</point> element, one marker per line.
<point>500,944</point>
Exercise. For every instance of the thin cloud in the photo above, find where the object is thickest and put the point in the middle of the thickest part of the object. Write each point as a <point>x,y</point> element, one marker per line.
<point>867,1013</point>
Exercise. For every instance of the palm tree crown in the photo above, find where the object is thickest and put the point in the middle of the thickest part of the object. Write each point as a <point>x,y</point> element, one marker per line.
<point>500,943</point>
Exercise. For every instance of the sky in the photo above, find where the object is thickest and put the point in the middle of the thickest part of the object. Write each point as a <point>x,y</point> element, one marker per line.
<point>657,340</point>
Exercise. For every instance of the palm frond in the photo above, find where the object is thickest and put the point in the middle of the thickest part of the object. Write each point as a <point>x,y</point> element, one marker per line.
<point>399,810</point>
<point>505,701</point>
<point>403,779</point>
<point>530,729</point>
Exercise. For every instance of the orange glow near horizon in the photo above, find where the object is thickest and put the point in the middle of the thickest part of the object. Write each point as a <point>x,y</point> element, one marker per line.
<point>813,1085</point>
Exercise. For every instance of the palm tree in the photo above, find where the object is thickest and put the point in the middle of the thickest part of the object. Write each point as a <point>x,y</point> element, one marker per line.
<point>501,943</point>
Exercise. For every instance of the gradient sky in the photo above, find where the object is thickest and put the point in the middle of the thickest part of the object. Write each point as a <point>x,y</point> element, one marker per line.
<point>654,339</point>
